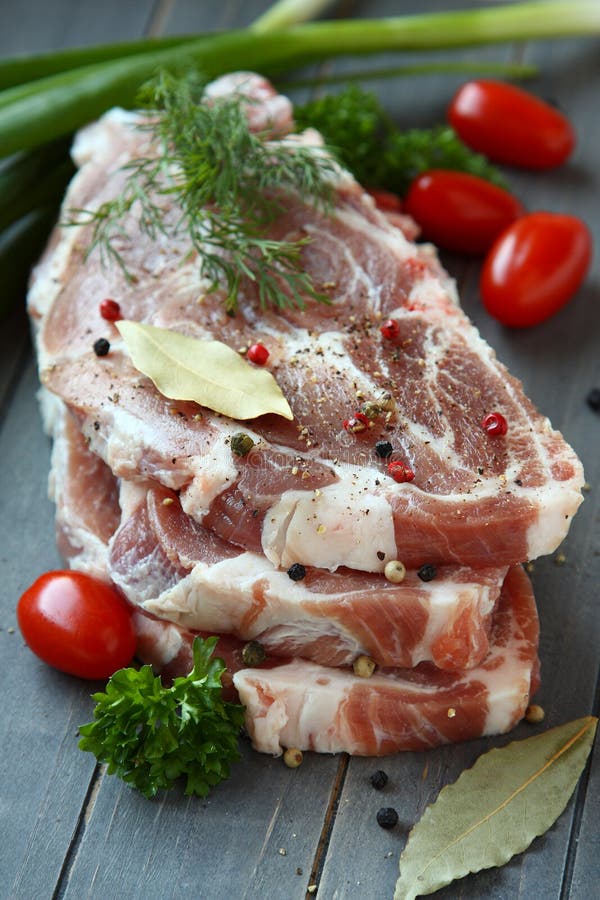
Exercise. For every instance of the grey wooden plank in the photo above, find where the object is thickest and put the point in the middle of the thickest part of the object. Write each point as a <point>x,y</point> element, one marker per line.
<point>248,839</point>
<point>558,362</point>
<point>33,27</point>
<point>43,778</point>
<point>188,16</point>
<point>585,873</point>
<point>229,846</point>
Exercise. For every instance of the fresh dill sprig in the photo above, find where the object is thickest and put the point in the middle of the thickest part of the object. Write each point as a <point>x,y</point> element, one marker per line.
<point>365,140</point>
<point>229,184</point>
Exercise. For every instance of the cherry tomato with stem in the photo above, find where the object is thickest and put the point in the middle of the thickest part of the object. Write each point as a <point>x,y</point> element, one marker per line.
<point>535,267</point>
<point>510,125</point>
<point>460,212</point>
<point>77,624</point>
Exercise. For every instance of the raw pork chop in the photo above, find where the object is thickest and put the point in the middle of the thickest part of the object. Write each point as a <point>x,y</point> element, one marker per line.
<point>304,705</point>
<point>298,702</point>
<point>310,492</point>
<point>310,707</point>
<point>171,566</point>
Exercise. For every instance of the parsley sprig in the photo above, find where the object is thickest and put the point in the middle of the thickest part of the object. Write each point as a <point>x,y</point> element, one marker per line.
<point>366,141</point>
<point>150,735</point>
<point>229,184</point>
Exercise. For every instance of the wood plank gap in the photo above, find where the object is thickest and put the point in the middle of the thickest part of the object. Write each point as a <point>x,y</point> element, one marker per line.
<point>87,807</point>
<point>159,17</point>
<point>582,789</point>
<point>328,823</point>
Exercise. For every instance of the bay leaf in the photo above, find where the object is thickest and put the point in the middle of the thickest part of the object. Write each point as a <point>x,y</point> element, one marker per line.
<point>207,372</point>
<point>495,809</point>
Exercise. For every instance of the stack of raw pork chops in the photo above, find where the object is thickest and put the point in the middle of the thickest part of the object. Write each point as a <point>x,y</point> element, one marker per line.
<point>288,544</point>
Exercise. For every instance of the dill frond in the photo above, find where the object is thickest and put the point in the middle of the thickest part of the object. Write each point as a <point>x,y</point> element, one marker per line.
<point>230,185</point>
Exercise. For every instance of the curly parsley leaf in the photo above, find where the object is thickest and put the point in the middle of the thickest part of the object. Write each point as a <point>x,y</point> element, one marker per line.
<point>365,140</point>
<point>150,735</point>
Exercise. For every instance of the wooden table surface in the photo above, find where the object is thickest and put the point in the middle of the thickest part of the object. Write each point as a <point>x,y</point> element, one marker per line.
<point>70,831</point>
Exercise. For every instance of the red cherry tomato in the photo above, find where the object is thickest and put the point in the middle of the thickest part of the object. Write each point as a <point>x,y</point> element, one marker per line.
<point>535,267</point>
<point>460,212</point>
<point>510,125</point>
<point>77,624</point>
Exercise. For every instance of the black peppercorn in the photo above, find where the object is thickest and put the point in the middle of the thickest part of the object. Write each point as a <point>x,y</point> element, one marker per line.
<point>101,347</point>
<point>593,399</point>
<point>383,449</point>
<point>427,572</point>
<point>387,817</point>
<point>379,779</point>
<point>296,572</point>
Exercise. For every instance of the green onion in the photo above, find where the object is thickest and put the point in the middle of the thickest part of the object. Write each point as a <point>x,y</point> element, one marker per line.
<point>48,191</point>
<point>33,179</point>
<point>44,109</point>
<point>484,67</point>
<point>289,12</point>
<point>20,247</point>
<point>18,70</point>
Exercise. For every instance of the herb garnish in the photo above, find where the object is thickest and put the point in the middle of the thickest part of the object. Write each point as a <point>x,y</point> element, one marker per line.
<point>150,735</point>
<point>366,141</point>
<point>228,183</point>
<point>495,809</point>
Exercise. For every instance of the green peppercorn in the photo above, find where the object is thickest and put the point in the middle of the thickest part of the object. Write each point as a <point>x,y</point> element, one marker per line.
<point>241,443</point>
<point>253,653</point>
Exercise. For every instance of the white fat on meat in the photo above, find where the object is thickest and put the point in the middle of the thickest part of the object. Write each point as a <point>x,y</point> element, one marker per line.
<point>310,707</point>
<point>247,597</point>
<point>347,521</point>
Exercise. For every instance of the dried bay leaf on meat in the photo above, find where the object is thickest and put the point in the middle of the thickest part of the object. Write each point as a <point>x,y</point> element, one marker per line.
<point>495,809</point>
<point>207,372</point>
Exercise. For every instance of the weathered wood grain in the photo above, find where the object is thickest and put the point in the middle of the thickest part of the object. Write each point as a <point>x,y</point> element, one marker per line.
<point>44,780</point>
<point>68,830</point>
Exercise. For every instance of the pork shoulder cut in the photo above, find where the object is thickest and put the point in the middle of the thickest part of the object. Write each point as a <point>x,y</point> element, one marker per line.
<point>310,492</point>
